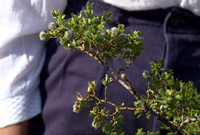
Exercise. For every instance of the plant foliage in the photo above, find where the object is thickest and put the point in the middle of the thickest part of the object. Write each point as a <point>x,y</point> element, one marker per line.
<point>175,103</point>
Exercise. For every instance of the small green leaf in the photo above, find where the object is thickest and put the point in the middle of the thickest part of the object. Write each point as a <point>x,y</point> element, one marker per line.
<point>178,97</point>
<point>88,5</point>
<point>106,77</point>
<point>140,132</point>
<point>92,113</point>
<point>143,97</point>
<point>87,104</point>
<point>110,80</point>
<point>91,84</point>
<point>148,115</point>
<point>104,82</point>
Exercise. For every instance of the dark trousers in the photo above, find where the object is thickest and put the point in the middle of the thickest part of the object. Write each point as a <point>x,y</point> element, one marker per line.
<point>170,33</point>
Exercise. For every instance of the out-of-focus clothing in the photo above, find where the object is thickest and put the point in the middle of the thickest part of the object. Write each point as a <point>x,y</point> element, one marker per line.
<point>22,56</point>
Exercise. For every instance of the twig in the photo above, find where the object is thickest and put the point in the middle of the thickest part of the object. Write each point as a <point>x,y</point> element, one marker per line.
<point>106,87</point>
<point>189,121</point>
<point>126,67</point>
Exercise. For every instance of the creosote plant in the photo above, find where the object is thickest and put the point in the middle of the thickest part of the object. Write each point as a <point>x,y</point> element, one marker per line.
<point>175,103</point>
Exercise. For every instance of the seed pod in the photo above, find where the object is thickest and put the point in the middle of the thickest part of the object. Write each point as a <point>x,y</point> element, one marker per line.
<point>68,34</point>
<point>76,107</point>
<point>123,76</point>
<point>42,35</point>
<point>145,74</point>
<point>114,31</point>
<point>51,26</point>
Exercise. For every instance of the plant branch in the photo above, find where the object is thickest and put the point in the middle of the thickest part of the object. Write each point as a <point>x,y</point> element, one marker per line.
<point>106,87</point>
<point>189,121</point>
<point>133,92</point>
<point>126,67</point>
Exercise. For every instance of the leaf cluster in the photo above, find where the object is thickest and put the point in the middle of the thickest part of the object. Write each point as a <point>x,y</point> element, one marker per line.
<point>88,33</point>
<point>173,99</point>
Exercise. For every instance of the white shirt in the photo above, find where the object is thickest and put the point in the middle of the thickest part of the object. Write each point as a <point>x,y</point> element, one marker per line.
<point>136,5</point>
<point>22,56</point>
<point>22,53</point>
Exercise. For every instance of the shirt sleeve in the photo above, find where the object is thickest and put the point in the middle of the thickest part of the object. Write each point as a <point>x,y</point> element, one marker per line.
<point>139,5</point>
<point>22,56</point>
<point>192,5</point>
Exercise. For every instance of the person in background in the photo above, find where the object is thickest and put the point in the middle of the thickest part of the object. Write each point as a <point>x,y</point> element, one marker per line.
<point>170,29</point>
